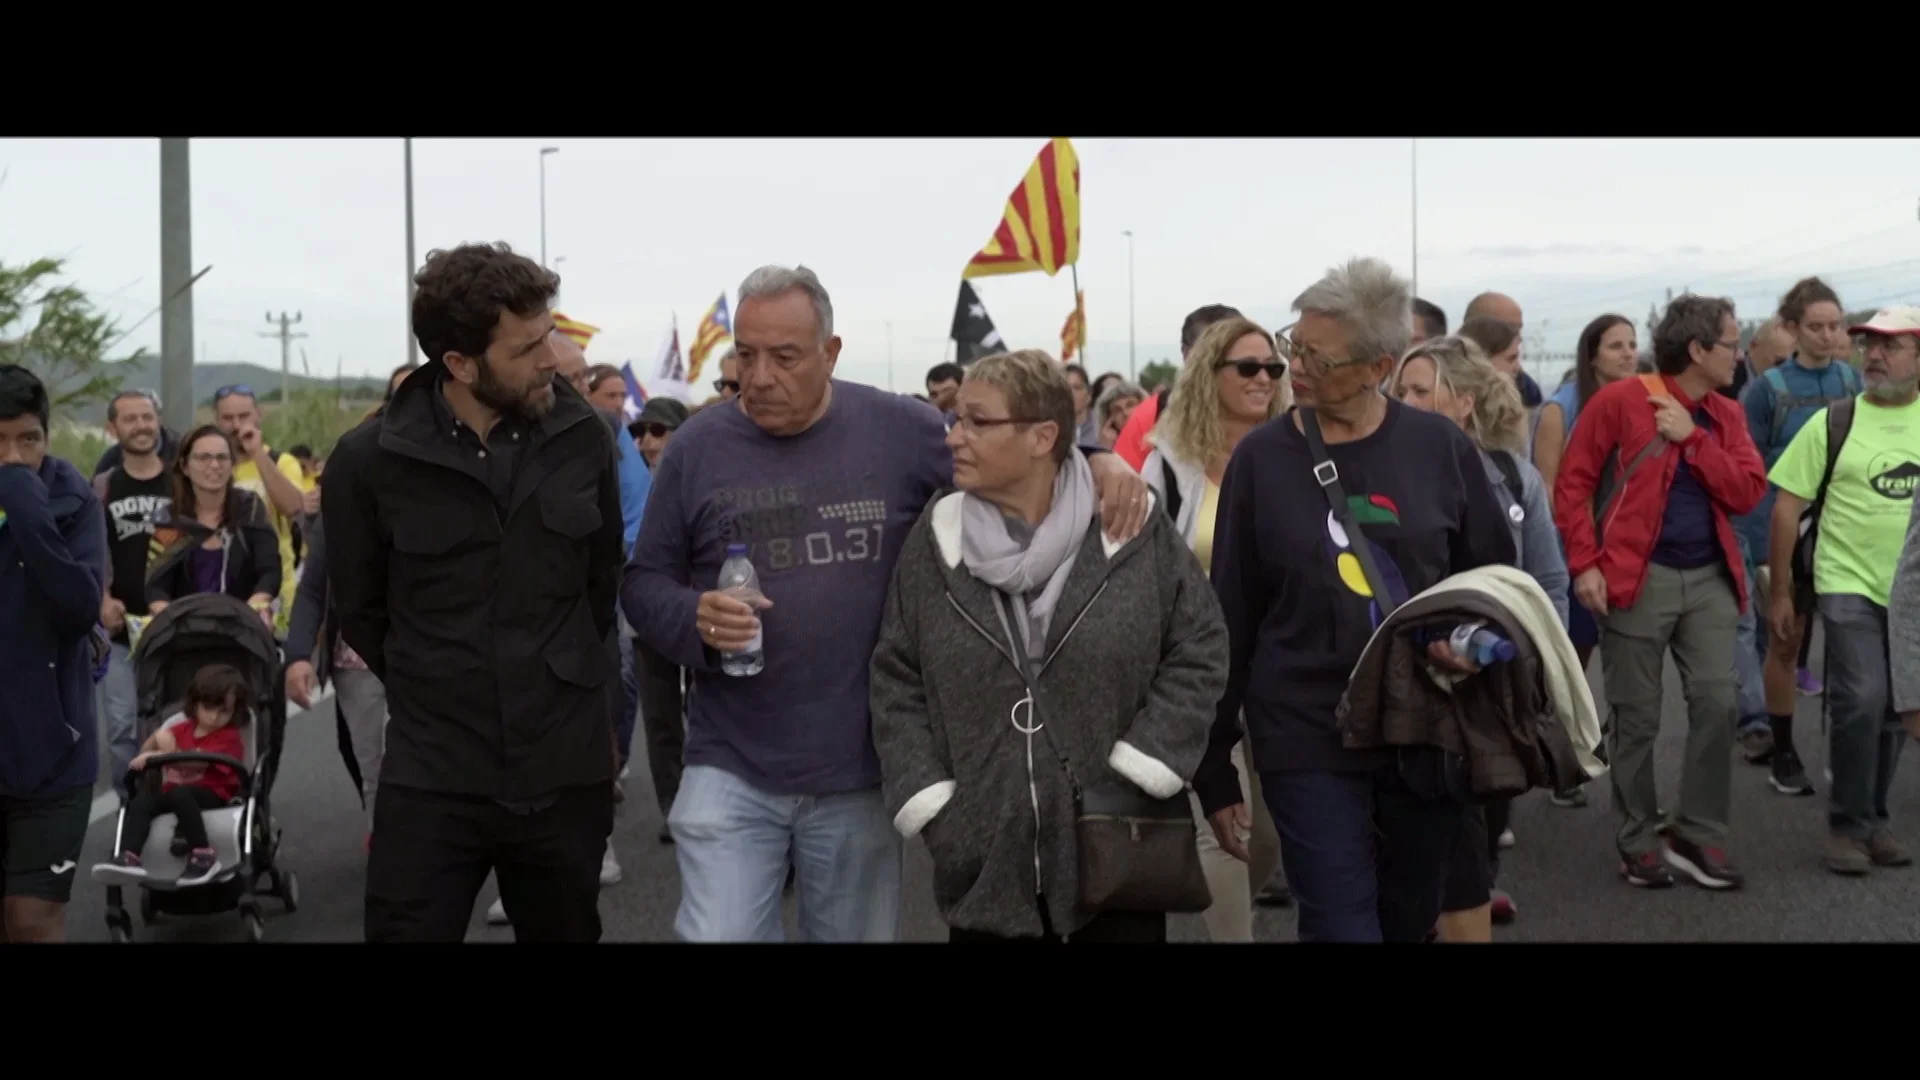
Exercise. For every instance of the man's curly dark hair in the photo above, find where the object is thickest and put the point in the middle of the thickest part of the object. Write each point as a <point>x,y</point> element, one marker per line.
<point>459,295</point>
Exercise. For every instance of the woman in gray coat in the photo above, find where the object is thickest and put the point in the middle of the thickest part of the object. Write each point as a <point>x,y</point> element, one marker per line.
<point>1019,643</point>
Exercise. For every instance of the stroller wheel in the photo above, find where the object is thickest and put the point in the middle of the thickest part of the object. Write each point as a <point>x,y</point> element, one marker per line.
<point>288,889</point>
<point>256,922</point>
<point>119,926</point>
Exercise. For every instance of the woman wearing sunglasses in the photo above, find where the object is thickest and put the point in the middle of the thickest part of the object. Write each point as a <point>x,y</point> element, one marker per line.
<point>1232,383</point>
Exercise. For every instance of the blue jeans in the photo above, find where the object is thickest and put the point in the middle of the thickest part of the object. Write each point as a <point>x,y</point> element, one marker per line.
<point>1867,736</point>
<point>1367,859</point>
<point>1749,650</point>
<point>624,724</point>
<point>120,708</point>
<point>735,842</point>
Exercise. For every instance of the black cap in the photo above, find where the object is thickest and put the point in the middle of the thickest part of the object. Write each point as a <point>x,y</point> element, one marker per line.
<point>662,410</point>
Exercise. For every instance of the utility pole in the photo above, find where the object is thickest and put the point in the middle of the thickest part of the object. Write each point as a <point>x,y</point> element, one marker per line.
<point>176,275</point>
<point>544,151</point>
<point>412,346</point>
<point>1133,367</point>
<point>286,336</point>
<point>1415,195</point>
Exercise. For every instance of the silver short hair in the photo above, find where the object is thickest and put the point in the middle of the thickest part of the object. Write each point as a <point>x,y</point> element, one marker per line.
<point>1370,301</point>
<point>771,281</point>
<point>1116,390</point>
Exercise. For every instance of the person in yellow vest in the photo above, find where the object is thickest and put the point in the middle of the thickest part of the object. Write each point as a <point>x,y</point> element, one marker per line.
<point>276,479</point>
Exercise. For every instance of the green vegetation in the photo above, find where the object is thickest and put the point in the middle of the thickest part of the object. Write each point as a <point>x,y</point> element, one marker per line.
<point>53,330</point>
<point>1157,374</point>
<point>316,418</point>
<point>80,446</point>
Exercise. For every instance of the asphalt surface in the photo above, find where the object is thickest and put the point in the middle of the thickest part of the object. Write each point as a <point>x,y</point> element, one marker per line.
<point>1561,873</point>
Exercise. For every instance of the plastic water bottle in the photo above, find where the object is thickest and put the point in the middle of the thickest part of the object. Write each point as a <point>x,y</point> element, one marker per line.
<point>738,580</point>
<point>1475,644</point>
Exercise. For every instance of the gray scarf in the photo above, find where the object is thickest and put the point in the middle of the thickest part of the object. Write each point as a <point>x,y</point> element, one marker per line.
<point>993,555</point>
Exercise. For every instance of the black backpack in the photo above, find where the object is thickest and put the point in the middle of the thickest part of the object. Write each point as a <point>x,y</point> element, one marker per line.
<point>1839,426</point>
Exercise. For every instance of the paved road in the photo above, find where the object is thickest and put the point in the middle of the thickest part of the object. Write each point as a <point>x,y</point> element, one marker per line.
<point>1561,873</point>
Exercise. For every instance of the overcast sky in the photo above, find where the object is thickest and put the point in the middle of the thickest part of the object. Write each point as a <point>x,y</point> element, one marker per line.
<point>649,229</point>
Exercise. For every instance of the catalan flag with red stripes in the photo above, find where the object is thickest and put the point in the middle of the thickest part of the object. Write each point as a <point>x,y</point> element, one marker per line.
<point>715,328</point>
<point>580,332</point>
<point>1073,334</point>
<point>1041,227</point>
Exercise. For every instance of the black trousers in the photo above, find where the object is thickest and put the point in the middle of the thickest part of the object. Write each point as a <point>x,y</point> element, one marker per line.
<point>185,803</point>
<point>1107,928</point>
<point>663,716</point>
<point>433,851</point>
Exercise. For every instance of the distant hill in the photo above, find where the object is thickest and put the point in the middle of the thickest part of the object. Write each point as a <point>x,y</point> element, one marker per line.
<point>144,374</point>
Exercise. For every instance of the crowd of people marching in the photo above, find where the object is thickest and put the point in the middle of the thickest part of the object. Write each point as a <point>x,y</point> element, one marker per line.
<point>1294,629</point>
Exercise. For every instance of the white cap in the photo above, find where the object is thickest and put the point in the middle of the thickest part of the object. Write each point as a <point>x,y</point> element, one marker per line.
<point>1904,319</point>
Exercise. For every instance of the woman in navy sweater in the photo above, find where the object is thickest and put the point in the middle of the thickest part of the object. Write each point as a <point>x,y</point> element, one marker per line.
<point>1365,843</point>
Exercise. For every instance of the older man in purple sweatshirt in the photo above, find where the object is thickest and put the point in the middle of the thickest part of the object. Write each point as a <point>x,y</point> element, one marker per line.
<point>822,480</point>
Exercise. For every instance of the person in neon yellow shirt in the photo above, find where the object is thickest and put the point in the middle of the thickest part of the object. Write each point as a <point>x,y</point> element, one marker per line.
<point>277,482</point>
<point>1863,527</point>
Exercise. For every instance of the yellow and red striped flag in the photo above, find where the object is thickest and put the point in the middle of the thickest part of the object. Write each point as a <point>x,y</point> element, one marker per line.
<point>1073,334</point>
<point>715,328</point>
<point>1040,229</point>
<point>580,332</point>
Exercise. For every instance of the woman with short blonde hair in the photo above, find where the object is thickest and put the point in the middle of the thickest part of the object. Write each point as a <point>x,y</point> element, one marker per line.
<point>1231,383</point>
<point>1025,661</point>
<point>1453,377</point>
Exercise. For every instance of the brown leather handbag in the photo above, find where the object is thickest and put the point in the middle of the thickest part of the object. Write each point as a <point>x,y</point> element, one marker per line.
<point>1137,853</point>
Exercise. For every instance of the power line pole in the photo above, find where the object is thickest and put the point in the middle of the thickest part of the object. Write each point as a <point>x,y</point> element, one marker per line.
<point>1414,197</point>
<point>408,320</point>
<point>286,336</point>
<point>176,277</point>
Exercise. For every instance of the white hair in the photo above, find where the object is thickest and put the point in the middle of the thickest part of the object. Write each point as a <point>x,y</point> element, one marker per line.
<point>1366,298</point>
<point>771,281</point>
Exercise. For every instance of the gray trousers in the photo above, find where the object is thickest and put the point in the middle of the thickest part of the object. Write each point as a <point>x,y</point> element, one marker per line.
<point>120,709</point>
<point>1866,735</point>
<point>1695,614</point>
<point>362,702</point>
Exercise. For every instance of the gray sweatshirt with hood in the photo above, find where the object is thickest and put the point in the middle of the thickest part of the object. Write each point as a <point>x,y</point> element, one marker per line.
<point>1136,661</point>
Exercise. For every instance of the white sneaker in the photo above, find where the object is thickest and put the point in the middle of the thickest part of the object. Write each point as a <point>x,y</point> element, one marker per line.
<point>609,868</point>
<point>1506,839</point>
<point>497,914</point>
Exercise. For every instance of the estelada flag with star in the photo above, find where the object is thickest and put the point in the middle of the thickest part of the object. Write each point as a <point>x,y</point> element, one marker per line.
<point>580,332</point>
<point>1040,229</point>
<point>973,332</point>
<point>1073,335</point>
<point>715,327</point>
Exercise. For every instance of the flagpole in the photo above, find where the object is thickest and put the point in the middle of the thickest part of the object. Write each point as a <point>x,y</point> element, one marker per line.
<point>1083,318</point>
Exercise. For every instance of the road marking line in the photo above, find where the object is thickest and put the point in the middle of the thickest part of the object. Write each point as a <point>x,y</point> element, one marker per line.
<point>107,803</point>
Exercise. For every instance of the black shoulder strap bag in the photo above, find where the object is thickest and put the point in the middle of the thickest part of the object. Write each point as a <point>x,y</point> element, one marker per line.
<point>1839,426</point>
<point>1135,852</point>
<point>1432,773</point>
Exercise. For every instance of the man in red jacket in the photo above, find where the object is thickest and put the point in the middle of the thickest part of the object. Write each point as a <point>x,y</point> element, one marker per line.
<point>1654,474</point>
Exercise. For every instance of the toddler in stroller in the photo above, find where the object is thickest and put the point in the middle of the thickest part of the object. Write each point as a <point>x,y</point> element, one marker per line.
<point>216,708</point>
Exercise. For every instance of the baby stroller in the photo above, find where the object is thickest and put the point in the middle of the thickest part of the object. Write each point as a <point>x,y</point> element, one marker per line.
<point>191,633</point>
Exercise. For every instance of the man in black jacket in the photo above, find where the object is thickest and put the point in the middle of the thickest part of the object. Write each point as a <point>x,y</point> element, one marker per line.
<point>476,549</point>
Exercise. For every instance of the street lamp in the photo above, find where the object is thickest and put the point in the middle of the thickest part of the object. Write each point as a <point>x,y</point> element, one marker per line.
<point>1133,371</point>
<point>544,151</point>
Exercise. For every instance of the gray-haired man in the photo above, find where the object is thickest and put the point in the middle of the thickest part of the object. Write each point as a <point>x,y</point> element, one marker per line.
<point>821,479</point>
